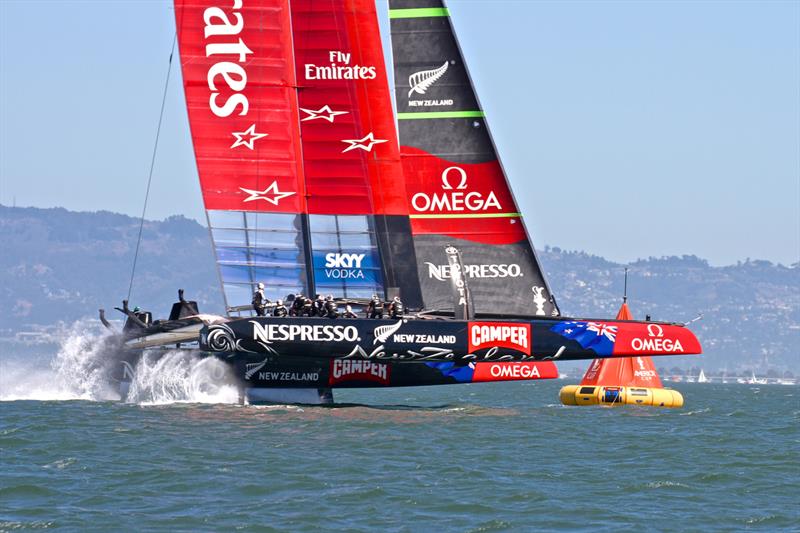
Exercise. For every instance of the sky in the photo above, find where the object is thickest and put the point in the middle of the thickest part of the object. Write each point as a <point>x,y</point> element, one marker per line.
<point>627,129</point>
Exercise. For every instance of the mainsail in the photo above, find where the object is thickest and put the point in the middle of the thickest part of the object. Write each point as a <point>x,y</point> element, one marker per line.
<point>457,191</point>
<point>296,147</point>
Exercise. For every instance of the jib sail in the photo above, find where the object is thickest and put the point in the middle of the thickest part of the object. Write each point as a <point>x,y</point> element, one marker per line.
<point>457,191</point>
<point>296,147</point>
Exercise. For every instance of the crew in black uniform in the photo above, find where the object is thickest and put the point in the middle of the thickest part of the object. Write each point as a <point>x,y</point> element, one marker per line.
<point>348,312</point>
<point>331,309</point>
<point>375,307</point>
<point>396,308</point>
<point>259,301</point>
<point>297,305</point>
<point>280,309</point>
<point>318,308</point>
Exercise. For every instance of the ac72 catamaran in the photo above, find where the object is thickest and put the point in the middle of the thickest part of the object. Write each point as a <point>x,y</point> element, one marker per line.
<point>308,191</point>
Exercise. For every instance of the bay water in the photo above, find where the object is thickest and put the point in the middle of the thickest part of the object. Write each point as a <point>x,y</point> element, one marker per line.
<point>183,456</point>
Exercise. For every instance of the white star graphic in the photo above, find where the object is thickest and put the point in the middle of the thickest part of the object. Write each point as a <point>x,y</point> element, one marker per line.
<point>246,137</point>
<point>324,112</point>
<point>274,194</point>
<point>365,144</point>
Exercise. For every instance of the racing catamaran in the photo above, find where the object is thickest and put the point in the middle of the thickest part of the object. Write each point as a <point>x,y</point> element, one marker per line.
<point>314,185</point>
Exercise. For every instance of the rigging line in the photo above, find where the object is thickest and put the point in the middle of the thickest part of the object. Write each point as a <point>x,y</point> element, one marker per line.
<point>152,163</point>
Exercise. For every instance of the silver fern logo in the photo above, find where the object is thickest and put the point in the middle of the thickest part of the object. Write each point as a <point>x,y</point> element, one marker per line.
<point>421,81</point>
<point>382,333</point>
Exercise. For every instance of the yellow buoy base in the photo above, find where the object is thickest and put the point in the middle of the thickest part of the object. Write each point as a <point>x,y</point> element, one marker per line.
<point>599,395</point>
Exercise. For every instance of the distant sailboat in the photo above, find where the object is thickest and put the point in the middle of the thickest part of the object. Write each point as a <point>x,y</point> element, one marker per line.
<point>702,377</point>
<point>756,381</point>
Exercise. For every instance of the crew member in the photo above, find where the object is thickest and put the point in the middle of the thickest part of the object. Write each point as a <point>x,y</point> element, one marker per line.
<point>308,307</point>
<point>375,307</point>
<point>331,309</point>
<point>318,308</point>
<point>259,300</point>
<point>396,308</point>
<point>141,315</point>
<point>297,305</point>
<point>280,309</point>
<point>348,312</point>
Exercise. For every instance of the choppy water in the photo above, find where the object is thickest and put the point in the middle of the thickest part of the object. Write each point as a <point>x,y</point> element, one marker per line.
<point>489,457</point>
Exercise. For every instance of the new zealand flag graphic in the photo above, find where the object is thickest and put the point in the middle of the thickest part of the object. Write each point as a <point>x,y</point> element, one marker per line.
<point>594,336</point>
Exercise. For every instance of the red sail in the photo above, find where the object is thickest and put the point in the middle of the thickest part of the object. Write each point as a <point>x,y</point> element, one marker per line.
<point>239,81</point>
<point>296,146</point>
<point>350,151</point>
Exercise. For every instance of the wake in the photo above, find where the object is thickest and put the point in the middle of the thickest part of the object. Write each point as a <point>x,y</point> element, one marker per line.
<point>81,369</point>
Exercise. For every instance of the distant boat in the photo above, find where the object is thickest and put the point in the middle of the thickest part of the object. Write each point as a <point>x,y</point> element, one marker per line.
<point>756,381</point>
<point>690,379</point>
<point>702,377</point>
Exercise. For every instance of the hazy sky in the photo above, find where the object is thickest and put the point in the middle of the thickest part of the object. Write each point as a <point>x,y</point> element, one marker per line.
<point>628,129</point>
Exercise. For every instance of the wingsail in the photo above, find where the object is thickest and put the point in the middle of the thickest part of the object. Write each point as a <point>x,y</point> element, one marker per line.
<point>457,191</point>
<point>296,147</point>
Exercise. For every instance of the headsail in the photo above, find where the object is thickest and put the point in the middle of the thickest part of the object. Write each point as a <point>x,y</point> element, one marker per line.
<point>296,147</point>
<point>456,188</point>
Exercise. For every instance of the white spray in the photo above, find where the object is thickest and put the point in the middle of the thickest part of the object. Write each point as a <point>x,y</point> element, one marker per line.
<point>178,376</point>
<point>83,364</point>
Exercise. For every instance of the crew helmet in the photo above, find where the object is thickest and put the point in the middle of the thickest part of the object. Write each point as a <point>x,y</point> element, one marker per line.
<point>260,285</point>
<point>280,302</point>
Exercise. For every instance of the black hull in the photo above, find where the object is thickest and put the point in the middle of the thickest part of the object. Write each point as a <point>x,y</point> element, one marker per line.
<point>419,340</point>
<point>257,371</point>
<point>321,354</point>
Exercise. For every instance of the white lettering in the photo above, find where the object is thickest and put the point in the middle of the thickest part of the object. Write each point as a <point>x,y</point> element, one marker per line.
<point>656,345</point>
<point>218,23</point>
<point>490,334</point>
<point>269,333</point>
<point>353,367</point>
<point>334,260</point>
<point>226,28</point>
<point>444,272</point>
<point>225,69</point>
<point>514,371</point>
<point>457,200</point>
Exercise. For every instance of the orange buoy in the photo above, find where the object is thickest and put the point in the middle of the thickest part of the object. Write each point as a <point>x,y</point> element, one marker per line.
<point>621,381</point>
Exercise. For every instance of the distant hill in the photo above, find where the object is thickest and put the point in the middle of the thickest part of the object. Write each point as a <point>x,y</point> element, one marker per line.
<point>59,265</point>
<point>64,265</point>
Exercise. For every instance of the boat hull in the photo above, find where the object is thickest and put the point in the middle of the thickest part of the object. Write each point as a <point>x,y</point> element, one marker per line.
<point>255,373</point>
<point>459,341</point>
